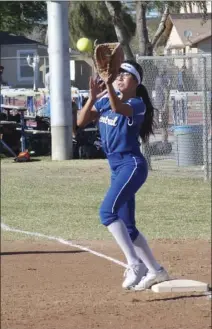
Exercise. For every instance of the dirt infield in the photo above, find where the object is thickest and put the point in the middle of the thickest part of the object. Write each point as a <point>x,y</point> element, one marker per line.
<point>46,285</point>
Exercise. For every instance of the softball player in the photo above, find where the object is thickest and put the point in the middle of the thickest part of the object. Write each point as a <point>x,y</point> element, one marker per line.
<point>122,117</point>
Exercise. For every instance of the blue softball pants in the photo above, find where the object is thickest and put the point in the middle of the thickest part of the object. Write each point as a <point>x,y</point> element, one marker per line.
<point>128,173</point>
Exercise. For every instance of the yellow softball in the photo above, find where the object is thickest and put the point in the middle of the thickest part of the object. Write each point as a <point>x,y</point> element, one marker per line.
<point>84,45</point>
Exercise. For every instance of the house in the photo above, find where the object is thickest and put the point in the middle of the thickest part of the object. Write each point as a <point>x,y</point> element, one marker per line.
<point>15,49</point>
<point>201,43</point>
<point>81,68</point>
<point>188,33</point>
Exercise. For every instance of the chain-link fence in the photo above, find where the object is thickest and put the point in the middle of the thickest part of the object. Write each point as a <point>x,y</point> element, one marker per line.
<point>180,88</point>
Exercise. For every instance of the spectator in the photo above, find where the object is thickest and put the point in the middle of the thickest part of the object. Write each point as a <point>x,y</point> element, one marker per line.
<point>74,118</point>
<point>162,85</point>
<point>47,80</point>
<point>181,78</point>
<point>2,82</point>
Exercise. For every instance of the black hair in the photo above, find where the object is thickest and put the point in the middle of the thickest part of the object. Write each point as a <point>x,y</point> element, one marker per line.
<point>147,126</point>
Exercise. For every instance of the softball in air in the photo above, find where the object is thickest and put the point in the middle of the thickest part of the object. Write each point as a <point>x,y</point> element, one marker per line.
<point>84,45</point>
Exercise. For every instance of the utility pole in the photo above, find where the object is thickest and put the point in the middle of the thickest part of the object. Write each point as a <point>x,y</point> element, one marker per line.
<point>60,85</point>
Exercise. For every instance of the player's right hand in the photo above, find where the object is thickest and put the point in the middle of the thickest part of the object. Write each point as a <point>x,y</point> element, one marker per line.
<point>96,90</point>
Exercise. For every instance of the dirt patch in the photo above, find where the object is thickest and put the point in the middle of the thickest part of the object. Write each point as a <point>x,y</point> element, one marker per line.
<point>45,285</point>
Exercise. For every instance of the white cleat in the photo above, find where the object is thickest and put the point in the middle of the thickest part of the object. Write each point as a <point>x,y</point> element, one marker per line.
<point>152,278</point>
<point>133,275</point>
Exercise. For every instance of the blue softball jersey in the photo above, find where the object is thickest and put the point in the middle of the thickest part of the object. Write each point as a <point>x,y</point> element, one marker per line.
<point>120,134</point>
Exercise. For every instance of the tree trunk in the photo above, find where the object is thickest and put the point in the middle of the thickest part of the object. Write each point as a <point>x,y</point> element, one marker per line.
<point>190,7</point>
<point>185,7</point>
<point>121,31</point>
<point>145,47</point>
<point>161,27</point>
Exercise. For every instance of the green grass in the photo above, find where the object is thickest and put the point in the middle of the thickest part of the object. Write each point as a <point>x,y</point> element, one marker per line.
<point>63,198</point>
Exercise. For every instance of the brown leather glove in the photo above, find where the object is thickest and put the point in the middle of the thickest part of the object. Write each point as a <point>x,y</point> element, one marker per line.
<point>107,59</point>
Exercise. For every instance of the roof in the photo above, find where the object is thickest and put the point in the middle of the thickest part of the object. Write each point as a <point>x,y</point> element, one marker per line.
<point>176,46</point>
<point>7,38</point>
<point>200,38</point>
<point>193,23</point>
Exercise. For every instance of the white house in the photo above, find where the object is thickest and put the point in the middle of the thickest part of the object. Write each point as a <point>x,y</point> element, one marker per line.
<point>186,32</point>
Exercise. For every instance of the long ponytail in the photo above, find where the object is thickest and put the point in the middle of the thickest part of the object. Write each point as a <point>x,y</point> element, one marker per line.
<point>148,124</point>
<point>147,127</point>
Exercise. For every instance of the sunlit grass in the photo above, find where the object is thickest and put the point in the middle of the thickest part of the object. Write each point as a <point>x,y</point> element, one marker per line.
<point>63,198</point>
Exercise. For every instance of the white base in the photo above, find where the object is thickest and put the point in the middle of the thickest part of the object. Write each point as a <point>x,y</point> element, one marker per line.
<point>180,286</point>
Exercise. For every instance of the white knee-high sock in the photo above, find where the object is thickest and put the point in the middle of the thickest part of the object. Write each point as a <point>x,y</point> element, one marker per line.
<point>121,235</point>
<point>145,254</point>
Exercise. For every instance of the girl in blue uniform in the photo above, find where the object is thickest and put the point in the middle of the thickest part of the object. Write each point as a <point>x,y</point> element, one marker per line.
<point>123,116</point>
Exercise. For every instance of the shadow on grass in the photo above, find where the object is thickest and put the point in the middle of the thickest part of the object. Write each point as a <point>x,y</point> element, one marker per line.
<point>35,160</point>
<point>40,252</point>
<point>31,160</point>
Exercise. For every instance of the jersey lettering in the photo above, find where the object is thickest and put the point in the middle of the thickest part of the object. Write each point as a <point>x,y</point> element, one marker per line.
<point>109,122</point>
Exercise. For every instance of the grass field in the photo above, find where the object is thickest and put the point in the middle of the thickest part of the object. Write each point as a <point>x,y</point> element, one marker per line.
<point>62,199</point>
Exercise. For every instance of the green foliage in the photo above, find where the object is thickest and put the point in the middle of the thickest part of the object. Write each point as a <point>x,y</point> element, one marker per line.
<point>91,19</point>
<point>21,16</point>
<point>130,25</point>
<point>152,24</point>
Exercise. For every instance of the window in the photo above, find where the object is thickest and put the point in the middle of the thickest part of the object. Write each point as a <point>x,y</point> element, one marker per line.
<point>179,51</point>
<point>24,71</point>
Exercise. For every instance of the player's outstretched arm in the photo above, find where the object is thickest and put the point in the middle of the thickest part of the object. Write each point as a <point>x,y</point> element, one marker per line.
<point>88,113</point>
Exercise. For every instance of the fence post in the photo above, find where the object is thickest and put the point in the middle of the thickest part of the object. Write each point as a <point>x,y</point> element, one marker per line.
<point>205,120</point>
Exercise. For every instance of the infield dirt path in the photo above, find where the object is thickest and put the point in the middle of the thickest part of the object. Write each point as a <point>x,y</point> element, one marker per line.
<point>46,285</point>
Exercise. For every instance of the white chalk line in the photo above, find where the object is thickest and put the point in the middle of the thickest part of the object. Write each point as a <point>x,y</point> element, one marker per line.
<point>5,227</point>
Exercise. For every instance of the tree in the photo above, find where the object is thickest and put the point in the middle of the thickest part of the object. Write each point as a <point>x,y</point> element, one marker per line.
<point>20,17</point>
<point>38,33</point>
<point>91,19</point>
<point>121,22</point>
